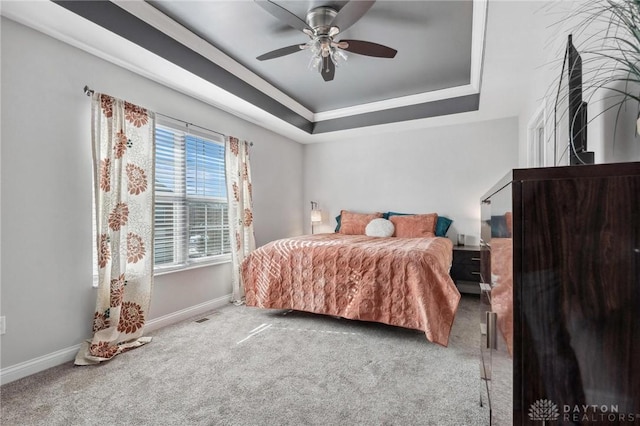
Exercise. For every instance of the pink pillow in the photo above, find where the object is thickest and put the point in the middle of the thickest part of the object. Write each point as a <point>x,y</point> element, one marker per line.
<point>355,223</point>
<point>415,226</point>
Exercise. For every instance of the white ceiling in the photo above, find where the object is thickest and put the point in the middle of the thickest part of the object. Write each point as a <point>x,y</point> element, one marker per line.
<point>286,103</point>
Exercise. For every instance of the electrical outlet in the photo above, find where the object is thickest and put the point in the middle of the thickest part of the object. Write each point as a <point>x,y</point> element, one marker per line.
<point>3,325</point>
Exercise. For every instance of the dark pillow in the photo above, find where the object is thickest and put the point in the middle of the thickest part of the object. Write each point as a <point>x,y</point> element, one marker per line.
<point>442,225</point>
<point>338,220</point>
<point>499,227</point>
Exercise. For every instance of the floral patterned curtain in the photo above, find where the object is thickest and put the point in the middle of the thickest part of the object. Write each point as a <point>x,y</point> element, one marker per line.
<point>123,138</point>
<point>238,174</point>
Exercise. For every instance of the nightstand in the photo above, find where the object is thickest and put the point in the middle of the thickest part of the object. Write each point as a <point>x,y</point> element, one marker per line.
<point>465,270</point>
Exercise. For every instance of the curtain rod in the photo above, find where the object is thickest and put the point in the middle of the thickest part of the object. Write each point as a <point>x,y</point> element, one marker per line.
<point>90,92</point>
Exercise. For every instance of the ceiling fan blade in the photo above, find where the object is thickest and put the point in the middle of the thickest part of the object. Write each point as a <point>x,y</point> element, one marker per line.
<point>283,51</point>
<point>369,49</point>
<point>328,70</point>
<point>284,15</point>
<point>350,13</point>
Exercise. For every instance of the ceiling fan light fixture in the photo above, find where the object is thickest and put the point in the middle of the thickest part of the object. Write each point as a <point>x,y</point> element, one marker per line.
<point>322,24</point>
<point>338,56</point>
<point>315,63</point>
<point>314,46</point>
<point>322,47</point>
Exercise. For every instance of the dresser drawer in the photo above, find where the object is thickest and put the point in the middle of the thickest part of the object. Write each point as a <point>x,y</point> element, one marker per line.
<point>466,264</point>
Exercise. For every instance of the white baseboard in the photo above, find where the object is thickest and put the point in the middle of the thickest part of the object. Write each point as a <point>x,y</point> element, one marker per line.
<point>35,365</point>
<point>41,363</point>
<point>187,313</point>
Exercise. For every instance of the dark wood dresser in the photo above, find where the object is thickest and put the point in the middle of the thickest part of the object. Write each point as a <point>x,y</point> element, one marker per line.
<point>561,278</point>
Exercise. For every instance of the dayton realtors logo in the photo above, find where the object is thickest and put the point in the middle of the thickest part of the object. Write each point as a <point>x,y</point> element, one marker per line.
<point>544,410</point>
<point>597,413</point>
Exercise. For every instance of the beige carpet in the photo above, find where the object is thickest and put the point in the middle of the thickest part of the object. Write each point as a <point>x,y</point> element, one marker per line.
<point>245,366</point>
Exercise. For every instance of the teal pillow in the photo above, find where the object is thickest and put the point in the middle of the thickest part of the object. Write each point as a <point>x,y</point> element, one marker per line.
<point>338,220</point>
<point>442,225</point>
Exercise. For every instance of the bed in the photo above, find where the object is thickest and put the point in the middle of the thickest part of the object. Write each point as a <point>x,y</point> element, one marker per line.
<point>402,282</point>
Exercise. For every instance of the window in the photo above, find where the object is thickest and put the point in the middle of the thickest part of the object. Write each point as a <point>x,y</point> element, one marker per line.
<point>190,211</point>
<point>537,144</point>
<point>191,224</point>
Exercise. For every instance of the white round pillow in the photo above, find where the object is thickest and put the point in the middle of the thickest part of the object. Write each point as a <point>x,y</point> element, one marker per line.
<point>379,228</point>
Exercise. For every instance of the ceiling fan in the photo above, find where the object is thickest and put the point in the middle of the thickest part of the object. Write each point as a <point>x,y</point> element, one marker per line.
<point>323,24</point>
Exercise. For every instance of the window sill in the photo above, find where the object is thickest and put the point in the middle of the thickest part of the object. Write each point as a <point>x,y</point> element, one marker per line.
<point>195,265</point>
<point>170,270</point>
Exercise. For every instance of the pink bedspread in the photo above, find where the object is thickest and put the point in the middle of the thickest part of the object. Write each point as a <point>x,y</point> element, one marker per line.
<point>398,281</point>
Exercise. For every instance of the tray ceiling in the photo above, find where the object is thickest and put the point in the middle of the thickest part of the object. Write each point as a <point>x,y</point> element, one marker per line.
<point>437,69</point>
<point>433,40</point>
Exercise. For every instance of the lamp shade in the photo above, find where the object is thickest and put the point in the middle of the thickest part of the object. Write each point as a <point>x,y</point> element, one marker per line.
<point>316,216</point>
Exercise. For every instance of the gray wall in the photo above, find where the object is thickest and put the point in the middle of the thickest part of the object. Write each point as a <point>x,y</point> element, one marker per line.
<point>46,276</point>
<point>46,291</point>
<point>439,169</point>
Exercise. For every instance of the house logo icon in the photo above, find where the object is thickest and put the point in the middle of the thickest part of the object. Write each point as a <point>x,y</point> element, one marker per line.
<point>543,410</point>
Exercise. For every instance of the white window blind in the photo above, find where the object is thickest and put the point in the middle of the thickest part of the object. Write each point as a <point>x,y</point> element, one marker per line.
<point>191,222</point>
<point>170,207</point>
